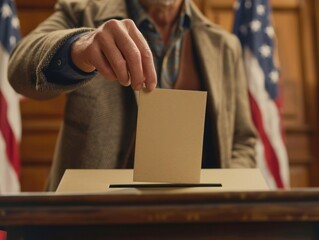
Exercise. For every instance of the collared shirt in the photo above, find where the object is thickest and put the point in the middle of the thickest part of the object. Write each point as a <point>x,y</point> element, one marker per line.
<point>166,58</point>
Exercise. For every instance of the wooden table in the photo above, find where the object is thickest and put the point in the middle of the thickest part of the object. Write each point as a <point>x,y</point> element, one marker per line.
<point>219,215</point>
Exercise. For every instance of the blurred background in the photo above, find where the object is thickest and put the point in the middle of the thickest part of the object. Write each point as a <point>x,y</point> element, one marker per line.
<point>296,24</point>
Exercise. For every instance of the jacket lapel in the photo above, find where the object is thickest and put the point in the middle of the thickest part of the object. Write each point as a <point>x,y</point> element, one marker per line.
<point>209,50</point>
<point>209,47</point>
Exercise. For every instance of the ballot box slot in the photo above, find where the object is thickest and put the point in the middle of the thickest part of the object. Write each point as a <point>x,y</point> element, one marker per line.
<point>168,185</point>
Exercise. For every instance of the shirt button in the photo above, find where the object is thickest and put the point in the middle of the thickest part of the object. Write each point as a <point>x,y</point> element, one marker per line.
<point>59,62</point>
<point>150,26</point>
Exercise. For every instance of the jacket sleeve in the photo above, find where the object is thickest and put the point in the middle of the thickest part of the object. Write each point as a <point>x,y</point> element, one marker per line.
<point>33,54</point>
<point>244,139</point>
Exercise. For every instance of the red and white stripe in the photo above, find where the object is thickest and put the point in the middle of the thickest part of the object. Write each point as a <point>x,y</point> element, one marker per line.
<point>10,131</point>
<point>272,156</point>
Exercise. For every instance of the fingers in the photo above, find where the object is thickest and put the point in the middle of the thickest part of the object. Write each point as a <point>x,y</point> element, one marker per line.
<point>132,56</point>
<point>146,57</point>
<point>102,65</point>
<point>118,51</point>
<point>116,60</point>
<point>149,70</point>
<point>136,52</point>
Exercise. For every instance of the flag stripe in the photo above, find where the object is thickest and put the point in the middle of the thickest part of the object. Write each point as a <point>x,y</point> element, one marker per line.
<point>267,121</point>
<point>262,164</point>
<point>269,153</point>
<point>11,97</point>
<point>9,182</point>
<point>12,146</point>
<point>3,235</point>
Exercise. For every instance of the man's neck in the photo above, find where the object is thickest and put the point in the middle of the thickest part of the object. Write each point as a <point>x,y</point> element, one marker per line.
<point>164,16</point>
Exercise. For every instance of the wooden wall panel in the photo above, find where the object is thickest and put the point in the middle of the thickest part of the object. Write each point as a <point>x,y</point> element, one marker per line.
<point>299,176</point>
<point>33,16</point>
<point>33,177</point>
<point>288,32</point>
<point>295,29</point>
<point>39,5</point>
<point>39,149</point>
<point>50,108</point>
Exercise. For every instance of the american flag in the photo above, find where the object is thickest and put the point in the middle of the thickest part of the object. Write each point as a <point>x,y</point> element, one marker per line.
<point>10,120</point>
<point>253,26</point>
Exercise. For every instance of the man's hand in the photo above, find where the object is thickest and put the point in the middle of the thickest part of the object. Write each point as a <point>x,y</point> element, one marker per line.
<point>119,52</point>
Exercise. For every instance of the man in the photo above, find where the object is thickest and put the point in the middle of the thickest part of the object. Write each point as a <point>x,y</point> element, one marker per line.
<point>94,49</point>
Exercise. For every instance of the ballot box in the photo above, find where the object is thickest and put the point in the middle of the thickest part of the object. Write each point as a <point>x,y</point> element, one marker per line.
<point>121,181</point>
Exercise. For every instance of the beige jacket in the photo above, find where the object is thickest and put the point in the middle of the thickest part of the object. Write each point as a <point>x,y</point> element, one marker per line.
<point>100,117</point>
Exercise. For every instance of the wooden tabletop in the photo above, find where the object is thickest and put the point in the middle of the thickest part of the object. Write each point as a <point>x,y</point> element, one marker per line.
<point>50,209</point>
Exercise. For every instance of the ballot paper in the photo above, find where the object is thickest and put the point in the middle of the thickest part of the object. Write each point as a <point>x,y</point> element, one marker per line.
<point>169,138</point>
